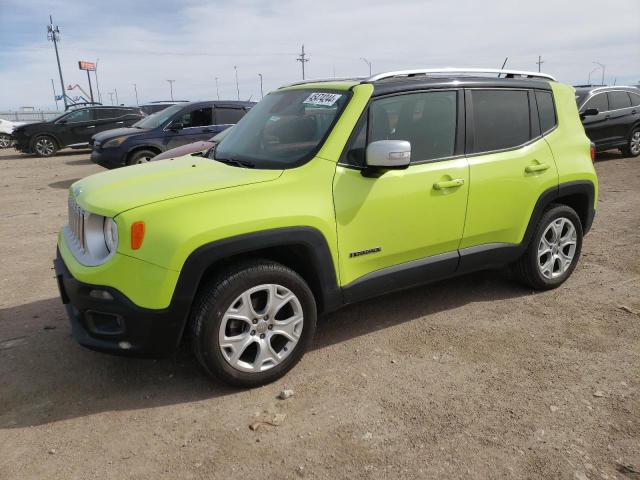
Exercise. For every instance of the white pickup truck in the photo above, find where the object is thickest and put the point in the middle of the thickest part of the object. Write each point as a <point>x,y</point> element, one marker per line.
<point>6,129</point>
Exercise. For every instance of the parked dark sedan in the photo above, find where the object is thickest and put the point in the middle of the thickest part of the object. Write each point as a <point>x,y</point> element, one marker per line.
<point>172,127</point>
<point>72,129</point>
<point>611,117</point>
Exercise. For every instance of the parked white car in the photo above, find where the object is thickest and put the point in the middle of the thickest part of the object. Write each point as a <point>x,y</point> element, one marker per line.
<point>6,129</point>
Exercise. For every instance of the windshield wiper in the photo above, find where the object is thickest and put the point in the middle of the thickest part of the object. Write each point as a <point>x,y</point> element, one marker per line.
<point>234,162</point>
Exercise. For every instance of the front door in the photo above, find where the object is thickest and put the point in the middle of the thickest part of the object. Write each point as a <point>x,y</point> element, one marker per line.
<point>403,215</point>
<point>78,126</point>
<point>196,124</point>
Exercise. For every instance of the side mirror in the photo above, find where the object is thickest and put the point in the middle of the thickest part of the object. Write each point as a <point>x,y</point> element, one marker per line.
<point>176,126</point>
<point>590,112</point>
<point>387,155</point>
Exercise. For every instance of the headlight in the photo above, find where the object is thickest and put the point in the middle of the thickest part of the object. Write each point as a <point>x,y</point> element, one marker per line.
<point>110,234</point>
<point>114,142</point>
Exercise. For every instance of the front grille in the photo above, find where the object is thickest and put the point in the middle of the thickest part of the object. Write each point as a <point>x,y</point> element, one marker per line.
<point>76,223</point>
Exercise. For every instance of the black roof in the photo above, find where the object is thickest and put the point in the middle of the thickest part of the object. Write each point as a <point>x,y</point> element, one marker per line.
<point>419,82</point>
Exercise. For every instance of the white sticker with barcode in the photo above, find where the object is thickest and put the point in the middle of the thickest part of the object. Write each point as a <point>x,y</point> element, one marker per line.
<point>322,98</point>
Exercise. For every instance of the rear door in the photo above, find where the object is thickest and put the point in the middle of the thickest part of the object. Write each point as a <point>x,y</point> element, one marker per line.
<point>510,163</point>
<point>597,126</point>
<point>620,116</point>
<point>109,118</point>
<point>227,116</point>
<point>197,124</point>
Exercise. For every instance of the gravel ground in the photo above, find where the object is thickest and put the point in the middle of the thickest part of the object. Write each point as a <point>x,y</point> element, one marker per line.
<point>474,377</point>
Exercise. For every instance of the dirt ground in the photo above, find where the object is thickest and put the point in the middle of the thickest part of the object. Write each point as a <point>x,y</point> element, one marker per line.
<point>475,377</point>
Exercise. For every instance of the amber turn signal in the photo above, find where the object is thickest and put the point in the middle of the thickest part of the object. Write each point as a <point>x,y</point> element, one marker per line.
<point>137,235</point>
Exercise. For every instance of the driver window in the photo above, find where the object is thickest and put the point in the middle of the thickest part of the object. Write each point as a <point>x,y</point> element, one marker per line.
<point>79,116</point>
<point>196,118</point>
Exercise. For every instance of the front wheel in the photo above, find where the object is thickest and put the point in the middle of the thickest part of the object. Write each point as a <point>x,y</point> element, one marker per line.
<point>141,156</point>
<point>253,323</point>
<point>45,146</point>
<point>554,249</point>
<point>633,146</point>
<point>5,140</point>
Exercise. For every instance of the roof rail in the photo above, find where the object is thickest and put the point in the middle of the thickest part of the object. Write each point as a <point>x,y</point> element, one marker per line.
<point>325,80</point>
<point>428,71</point>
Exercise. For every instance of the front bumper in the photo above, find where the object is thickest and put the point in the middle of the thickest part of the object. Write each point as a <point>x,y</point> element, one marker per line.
<point>109,157</point>
<point>116,325</point>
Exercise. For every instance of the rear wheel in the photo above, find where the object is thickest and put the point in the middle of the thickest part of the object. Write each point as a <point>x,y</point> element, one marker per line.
<point>5,140</point>
<point>253,323</point>
<point>554,249</point>
<point>45,146</point>
<point>633,146</point>
<point>141,156</point>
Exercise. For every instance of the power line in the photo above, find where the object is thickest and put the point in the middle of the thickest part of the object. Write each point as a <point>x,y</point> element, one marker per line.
<point>302,59</point>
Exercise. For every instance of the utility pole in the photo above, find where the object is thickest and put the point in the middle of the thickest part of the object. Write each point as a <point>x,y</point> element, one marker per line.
<point>53,34</point>
<point>261,91</point>
<point>54,94</point>
<point>235,67</point>
<point>540,62</point>
<point>110,96</point>
<point>217,91</point>
<point>116,92</point>
<point>367,62</point>
<point>135,87</point>
<point>302,59</point>
<point>90,88</point>
<point>602,67</point>
<point>171,87</point>
<point>97,86</point>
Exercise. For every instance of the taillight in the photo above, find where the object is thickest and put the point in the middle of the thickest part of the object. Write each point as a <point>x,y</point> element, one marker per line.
<point>137,235</point>
<point>593,152</point>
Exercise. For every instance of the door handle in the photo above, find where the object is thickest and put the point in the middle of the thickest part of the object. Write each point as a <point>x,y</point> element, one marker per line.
<point>91,126</point>
<point>538,167</point>
<point>119,122</point>
<point>456,182</point>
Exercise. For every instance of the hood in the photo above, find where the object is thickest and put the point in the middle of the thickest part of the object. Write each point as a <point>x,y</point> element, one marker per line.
<point>117,132</point>
<point>115,191</point>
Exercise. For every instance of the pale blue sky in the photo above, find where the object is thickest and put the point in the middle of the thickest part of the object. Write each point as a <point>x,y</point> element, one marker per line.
<point>146,42</point>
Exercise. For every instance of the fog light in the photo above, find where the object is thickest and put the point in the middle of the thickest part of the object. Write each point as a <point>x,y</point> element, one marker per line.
<point>124,345</point>
<point>101,294</point>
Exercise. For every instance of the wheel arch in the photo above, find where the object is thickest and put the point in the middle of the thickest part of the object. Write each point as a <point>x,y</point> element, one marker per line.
<point>51,135</point>
<point>137,148</point>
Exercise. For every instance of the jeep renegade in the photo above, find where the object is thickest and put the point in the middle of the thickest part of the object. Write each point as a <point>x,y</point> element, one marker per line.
<point>327,193</point>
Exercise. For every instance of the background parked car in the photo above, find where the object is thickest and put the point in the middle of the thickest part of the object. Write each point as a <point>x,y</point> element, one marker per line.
<point>200,147</point>
<point>153,107</point>
<point>611,117</point>
<point>72,129</point>
<point>172,127</point>
<point>6,130</point>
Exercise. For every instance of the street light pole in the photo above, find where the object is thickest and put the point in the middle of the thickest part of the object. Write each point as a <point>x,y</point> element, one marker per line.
<point>135,87</point>
<point>589,77</point>
<point>368,63</point>
<point>171,88</point>
<point>97,86</point>
<point>235,67</point>
<point>116,92</point>
<point>261,91</point>
<point>53,34</point>
<point>217,91</point>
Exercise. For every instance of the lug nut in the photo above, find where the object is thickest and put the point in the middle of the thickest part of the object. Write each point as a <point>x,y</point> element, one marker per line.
<point>270,327</point>
<point>253,332</point>
<point>255,320</point>
<point>262,335</point>
<point>266,317</point>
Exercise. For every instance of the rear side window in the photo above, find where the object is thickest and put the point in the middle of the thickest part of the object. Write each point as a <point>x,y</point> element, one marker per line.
<point>618,100</point>
<point>599,102</point>
<point>426,120</point>
<point>107,113</point>
<point>196,118</point>
<point>546,110</point>
<point>84,115</point>
<point>635,99</point>
<point>501,119</point>
<point>226,116</point>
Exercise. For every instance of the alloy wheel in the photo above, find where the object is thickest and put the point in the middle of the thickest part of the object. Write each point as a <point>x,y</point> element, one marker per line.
<point>557,248</point>
<point>44,147</point>
<point>634,144</point>
<point>144,159</point>
<point>261,328</point>
<point>5,141</point>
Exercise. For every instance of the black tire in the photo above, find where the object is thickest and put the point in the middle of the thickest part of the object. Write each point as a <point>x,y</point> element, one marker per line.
<point>140,156</point>
<point>216,297</point>
<point>632,149</point>
<point>44,146</point>
<point>527,269</point>
<point>5,140</point>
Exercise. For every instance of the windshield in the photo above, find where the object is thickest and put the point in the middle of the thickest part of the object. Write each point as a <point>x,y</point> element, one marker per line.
<point>283,130</point>
<point>156,119</point>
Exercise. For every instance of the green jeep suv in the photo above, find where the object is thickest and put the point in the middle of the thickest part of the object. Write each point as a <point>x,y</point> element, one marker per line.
<point>327,193</point>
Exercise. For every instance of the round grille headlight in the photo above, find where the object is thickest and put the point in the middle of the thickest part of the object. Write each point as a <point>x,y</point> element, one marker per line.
<point>110,234</point>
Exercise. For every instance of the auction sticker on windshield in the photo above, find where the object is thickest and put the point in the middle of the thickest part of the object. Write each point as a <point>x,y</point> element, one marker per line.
<point>322,98</point>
